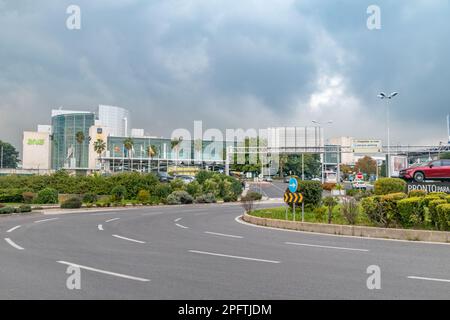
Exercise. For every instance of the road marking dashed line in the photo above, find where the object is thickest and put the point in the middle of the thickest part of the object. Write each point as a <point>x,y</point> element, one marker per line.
<point>11,243</point>
<point>111,220</point>
<point>12,229</point>
<point>233,257</point>
<point>115,274</point>
<point>428,279</point>
<point>223,234</point>
<point>128,239</point>
<point>45,220</point>
<point>325,247</point>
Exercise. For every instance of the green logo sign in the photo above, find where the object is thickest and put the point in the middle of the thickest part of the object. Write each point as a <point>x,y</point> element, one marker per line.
<point>36,142</point>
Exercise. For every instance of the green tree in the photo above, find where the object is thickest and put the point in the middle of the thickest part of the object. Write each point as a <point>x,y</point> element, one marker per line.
<point>311,164</point>
<point>175,145</point>
<point>79,137</point>
<point>152,151</point>
<point>366,165</point>
<point>99,148</point>
<point>10,156</point>
<point>128,143</point>
<point>282,160</point>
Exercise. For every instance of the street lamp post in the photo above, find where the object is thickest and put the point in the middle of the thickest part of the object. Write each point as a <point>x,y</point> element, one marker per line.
<point>324,151</point>
<point>382,96</point>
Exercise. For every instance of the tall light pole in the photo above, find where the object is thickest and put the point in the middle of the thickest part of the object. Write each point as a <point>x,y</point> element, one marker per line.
<point>324,151</point>
<point>382,96</point>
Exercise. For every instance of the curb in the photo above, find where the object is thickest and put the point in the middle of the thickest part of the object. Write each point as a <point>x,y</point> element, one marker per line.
<point>354,231</point>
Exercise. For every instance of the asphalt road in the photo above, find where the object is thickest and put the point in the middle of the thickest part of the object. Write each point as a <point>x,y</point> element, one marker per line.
<point>203,252</point>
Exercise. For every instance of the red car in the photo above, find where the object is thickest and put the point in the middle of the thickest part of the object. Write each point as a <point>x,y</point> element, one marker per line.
<point>433,170</point>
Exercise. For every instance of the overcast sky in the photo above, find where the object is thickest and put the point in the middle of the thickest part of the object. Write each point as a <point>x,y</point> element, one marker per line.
<point>246,63</point>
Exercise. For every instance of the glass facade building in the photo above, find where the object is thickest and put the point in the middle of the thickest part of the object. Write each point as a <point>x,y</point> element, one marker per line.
<point>117,120</point>
<point>67,152</point>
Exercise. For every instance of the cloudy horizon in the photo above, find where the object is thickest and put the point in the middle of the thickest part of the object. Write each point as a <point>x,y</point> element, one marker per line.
<point>251,65</point>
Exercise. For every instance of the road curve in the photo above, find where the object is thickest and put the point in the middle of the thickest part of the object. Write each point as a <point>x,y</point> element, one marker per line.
<point>205,252</point>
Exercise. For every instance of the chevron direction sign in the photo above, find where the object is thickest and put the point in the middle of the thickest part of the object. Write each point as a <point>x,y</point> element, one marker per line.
<point>293,197</point>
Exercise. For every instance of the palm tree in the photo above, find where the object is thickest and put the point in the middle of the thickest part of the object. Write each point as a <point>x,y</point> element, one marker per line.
<point>175,143</point>
<point>283,162</point>
<point>79,137</point>
<point>198,146</point>
<point>151,152</point>
<point>99,148</point>
<point>128,144</point>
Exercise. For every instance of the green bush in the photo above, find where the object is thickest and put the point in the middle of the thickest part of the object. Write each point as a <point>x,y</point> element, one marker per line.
<point>47,196</point>
<point>11,195</point>
<point>89,197</point>
<point>28,197</point>
<point>427,199</point>
<point>23,208</point>
<point>255,196</point>
<point>389,185</point>
<point>383,210</point>
<point>143,196</point>
<point>204,175</point>
<point>161,191</point>
<point>330,202</point>
<point>7,210</point>
<point>177,185</point>
<point>412,211</point>
<point>71,203</point>
<point>206,198</point>
<point>194,188</point>
<point>417,193</point>
<point>443,211</point>
<point>179,197</point>
<point>311,191</point>
<point>211,186</point>
<point>230,198</point>
<point>441,195</point>
<point>320,213</point>
<point>432,210</point>
<point>447,198</point>
<point>118,193</point>
<point>349,210</point>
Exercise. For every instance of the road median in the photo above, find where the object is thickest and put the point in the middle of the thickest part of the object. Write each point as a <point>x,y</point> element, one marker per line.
<point>348,230</point>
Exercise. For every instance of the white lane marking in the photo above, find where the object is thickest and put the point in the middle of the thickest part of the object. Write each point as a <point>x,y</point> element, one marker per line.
<point>111,220</point>
<point>100,227</point>
<point>178,219</point>
<point>223,235</point>
<point>181,226</point>
<point>234,257</point>
<point>45,220</point>
<point>128,239</point>
<point>428,279</point>
<point>12,229</point>
<point>104,272</point>
<point>239,220</point>
<point>11,243</point>
<point>325,247</point>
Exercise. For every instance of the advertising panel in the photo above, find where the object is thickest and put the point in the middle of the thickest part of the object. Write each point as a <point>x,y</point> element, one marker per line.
<point>398,163</point>
<point>367,146</point>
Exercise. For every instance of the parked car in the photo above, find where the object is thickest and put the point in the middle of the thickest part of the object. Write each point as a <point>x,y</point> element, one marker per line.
<point>286,179</point>
<point>164,177</point>
<point>433,170</point>
<point>268,179</point>
<point>185,179</point>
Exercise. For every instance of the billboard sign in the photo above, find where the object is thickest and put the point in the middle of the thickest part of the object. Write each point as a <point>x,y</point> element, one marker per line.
<point>367,146</point>
<point>397,163</point>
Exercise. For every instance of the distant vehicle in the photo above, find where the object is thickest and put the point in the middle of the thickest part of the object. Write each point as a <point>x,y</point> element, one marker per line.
<point>185,179</point>
<point>359,185</point>
<point>316,179</point>
<point>268,179</point>
<point>286,179</point>
<point>164,176</point>
<point>433,170</point>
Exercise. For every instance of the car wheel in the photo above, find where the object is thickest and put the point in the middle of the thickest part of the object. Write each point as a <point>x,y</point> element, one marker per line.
<point>419,177</point>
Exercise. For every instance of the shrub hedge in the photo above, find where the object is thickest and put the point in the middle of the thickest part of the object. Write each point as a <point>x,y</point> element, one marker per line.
<point>47,196</point>
<point>71,203</point>
<point>443,211</point>
<point>389,185</point>
<point>417,193</point>
<point>412,211</point>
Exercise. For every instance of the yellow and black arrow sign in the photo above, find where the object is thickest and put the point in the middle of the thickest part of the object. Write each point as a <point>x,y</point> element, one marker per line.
<point>290,197</point>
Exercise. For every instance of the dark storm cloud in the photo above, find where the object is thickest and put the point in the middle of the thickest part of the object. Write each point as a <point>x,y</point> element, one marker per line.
<point>243,64</point>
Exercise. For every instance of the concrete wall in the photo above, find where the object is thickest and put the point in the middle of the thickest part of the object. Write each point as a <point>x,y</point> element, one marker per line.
<point>359,231</point>
<point>36,150</point>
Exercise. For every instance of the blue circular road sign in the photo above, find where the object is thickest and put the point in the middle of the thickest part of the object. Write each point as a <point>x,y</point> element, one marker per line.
<point>293,185</point>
